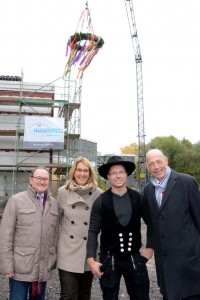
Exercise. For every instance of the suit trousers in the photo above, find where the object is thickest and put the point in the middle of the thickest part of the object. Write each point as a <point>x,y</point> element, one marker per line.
<point>75,286</point>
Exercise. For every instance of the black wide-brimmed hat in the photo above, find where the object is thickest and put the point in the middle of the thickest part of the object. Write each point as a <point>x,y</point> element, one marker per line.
<point>116,160</point>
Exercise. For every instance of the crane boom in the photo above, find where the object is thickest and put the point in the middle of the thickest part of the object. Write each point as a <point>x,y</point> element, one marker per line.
<point>140,103</point>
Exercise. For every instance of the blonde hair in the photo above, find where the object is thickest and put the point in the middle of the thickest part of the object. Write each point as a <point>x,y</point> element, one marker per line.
<point>92,175</point>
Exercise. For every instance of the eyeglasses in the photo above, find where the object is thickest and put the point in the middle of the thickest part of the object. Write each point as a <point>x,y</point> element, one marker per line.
<point>38,178</point>
<point>157,163</point>
<point>115,173</point>
<point>85,171</point>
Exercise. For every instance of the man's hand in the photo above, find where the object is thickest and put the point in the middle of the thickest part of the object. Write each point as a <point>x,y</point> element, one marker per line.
<point>9,275</point>
<point>147,253</point>
<point>94,267</point>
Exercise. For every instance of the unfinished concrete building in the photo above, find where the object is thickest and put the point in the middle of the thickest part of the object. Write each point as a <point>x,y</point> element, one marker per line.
<point>19,100</point>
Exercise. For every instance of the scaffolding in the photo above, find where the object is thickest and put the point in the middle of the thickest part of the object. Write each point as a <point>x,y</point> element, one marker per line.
<point>19,99</point>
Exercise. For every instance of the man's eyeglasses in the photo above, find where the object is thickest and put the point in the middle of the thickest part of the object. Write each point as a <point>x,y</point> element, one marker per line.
<point>84,171</point>
<point>115,173</point>
<point>38,178</point>
<point>157,163</point>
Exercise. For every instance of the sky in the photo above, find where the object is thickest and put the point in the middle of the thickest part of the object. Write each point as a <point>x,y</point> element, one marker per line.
<point>34,35</point>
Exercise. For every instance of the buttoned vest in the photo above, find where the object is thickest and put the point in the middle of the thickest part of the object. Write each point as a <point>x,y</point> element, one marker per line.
<point>116,238</point>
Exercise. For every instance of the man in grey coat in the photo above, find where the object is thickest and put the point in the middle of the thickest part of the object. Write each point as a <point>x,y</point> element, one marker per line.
<point>28,238</point>
<point>174,202</point>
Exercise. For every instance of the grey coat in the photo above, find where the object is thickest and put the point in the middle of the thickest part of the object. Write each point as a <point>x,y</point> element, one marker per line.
<point>176,242</point>
<point>28,239</point>
<point>74,210</point>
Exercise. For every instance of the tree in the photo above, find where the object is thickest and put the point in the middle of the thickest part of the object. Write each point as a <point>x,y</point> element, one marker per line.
<point>197,147</point>
<point>131,149</point>
<point>102,183</point>
<point>182,155</point>
<point>169,145</point>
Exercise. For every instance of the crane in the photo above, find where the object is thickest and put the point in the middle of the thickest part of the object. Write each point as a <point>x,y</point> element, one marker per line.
<point>140,104</point>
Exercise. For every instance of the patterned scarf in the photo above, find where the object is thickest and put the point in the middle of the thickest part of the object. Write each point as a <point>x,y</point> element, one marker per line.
<point>78,188</point>
<point>160,186</point>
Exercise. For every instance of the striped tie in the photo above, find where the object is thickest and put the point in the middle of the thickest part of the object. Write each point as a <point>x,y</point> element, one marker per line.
<point>40,201</point>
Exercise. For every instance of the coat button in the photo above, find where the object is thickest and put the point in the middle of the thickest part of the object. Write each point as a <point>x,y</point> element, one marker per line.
<point>86,208</point>
<point>71,236</point>
<point>90,193</point>
<point>73,206</point>
<point>85,223</point>
<point>72,222</point>
<point>85,238</point>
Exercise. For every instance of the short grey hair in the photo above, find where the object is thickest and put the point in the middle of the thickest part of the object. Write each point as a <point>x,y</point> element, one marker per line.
<point>38,168</point>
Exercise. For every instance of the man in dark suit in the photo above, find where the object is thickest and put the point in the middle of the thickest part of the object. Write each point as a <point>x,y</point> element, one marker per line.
<point>174,202</point>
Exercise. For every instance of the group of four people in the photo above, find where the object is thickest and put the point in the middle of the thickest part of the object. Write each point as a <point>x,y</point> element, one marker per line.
<point>87,232</point>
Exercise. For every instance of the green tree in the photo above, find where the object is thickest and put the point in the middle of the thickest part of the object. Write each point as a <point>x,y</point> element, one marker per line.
<point>102,183</point>
<point>183,156</point>
<point>169,145</point>
<point>197,147</point>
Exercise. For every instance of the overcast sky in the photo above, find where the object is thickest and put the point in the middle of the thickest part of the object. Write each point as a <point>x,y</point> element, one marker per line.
<point>34,35</point>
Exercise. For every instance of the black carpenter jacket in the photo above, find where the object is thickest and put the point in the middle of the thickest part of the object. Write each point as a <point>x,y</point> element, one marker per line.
<point>113,234</point>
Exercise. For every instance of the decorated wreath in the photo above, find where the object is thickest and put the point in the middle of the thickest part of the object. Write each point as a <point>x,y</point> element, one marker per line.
<point>83,47</point>
<point>78,37</point>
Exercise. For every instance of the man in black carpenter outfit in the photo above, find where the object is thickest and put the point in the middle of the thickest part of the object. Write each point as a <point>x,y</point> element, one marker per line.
<point>117,215</point>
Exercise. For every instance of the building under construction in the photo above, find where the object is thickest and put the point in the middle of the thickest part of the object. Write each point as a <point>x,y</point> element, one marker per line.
<point>19,100</point>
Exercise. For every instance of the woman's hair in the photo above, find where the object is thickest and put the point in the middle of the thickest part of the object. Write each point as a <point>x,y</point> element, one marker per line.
<point>92,176</point>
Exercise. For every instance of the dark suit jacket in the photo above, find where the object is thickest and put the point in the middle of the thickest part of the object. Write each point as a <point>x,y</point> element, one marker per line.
<point>176,238</point>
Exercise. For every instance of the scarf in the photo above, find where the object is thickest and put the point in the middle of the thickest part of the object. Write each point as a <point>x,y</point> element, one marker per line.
<point>160,186</point>
<point>78,188</point>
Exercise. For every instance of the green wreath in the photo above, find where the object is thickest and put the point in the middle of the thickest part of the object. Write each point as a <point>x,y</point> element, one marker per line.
<point>78,37</point>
